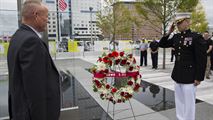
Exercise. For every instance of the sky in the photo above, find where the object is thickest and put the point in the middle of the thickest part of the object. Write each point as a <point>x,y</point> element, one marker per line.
<point>8,20</point>
<point>207,4</point>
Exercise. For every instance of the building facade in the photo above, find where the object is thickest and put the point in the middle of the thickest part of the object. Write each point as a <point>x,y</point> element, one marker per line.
<point>77,21</point>
<point>52,17</point>
<point>146,30</point>
<point>84,19</point>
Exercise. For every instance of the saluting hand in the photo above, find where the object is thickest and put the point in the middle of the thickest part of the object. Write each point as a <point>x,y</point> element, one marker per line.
<point>172,28</point>
<point>196,82</point>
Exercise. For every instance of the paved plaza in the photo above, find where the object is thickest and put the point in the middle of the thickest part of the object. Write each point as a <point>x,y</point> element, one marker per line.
<point>77,64</point>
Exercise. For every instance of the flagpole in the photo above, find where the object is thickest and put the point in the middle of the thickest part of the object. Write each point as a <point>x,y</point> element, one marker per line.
<point>70,17</point>
<point>58,22</point>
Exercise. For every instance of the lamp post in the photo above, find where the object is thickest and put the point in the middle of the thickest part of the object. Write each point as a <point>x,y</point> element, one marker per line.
<point>90,9</point>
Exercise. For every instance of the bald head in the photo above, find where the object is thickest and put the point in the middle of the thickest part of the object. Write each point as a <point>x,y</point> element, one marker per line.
<point>35,14</point>
<point>29,8</point>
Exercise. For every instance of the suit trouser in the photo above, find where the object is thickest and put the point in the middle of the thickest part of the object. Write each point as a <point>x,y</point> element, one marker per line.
<point>154,57</point>
<point>143,56</point>
<point>185,101</point>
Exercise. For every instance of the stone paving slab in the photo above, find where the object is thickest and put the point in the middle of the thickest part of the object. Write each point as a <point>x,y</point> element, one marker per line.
<point>122,110</point>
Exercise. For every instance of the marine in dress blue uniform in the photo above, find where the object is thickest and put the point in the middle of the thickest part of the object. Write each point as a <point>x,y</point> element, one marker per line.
<point>190,64</point>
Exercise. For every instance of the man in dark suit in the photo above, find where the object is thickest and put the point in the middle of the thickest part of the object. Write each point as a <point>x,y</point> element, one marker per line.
<point>154,45</point>
<point>190,64</point>
<point>34,89</point>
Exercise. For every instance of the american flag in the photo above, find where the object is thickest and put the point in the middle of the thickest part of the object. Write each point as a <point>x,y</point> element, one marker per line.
<point>62,5</point>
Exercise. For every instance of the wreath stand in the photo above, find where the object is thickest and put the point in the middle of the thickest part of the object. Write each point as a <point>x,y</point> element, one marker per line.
<point>113,112</point>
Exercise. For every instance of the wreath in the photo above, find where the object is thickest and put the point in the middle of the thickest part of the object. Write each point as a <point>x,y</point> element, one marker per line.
<point>120,67</point>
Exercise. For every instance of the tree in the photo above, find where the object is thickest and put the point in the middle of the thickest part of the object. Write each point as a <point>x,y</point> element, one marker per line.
<point>164,12</point>
<point>199,22</point>
<point>187,5</point>
<point>114,19</point>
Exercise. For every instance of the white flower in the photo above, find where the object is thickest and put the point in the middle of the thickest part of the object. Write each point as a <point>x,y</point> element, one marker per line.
<point>130,60</point>
<point>101,66</point>
<point>129,90</point>
<point>116,97</point>
<point>138,81</point>
<point>119,57</point>
<point>105,91</point>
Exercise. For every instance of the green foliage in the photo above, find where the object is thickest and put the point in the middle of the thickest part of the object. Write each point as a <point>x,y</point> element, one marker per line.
<point>164,10</point>
<point>187,5</point>
<point>115,18</point>
<point>157,12</point>
<point>198,20</point>
<point>95,89</point>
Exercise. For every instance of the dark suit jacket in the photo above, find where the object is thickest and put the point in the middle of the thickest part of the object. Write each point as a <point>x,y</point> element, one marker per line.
<point>34,89</point>
<point>190,54</point>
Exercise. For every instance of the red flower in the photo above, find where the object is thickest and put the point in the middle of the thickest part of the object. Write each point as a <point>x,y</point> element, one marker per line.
<point>110,62</point>
<point>106,70</point>
<point>97,83</point>
<point>105,59</point>
<point>101,72</point>
<point>130,68</point>
<point>128,63</point>
<point>114,90</point>
<point>123,62</point>
<point>122,93</point>
<point>110,99</point>
<point>117,61</point>
<point>127,96</point>
<point>100,59</point>
<point>110,55</point>
<point>134,61</point>
<point>119,101</point>
<point>130,55</point>
<point>121,54</point>
<point>135,77</point>
<point>136,88</point>
<point>130,83</point>
<point>115,54</point>
<point>107,86</point>
<point>101,95</point>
